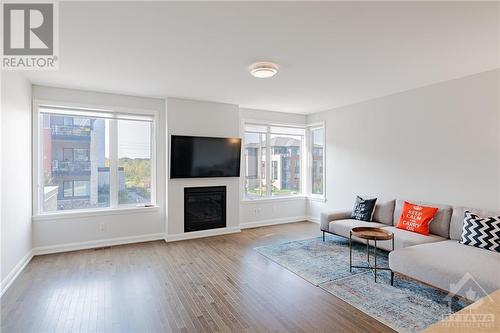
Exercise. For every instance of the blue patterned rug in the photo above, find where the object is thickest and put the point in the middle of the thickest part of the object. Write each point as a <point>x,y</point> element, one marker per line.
<point>408,306</point>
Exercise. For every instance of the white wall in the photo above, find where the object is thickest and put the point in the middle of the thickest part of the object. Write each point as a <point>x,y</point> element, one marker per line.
<point>439,143</point>
<point>15,174</point>
<point>197,118</point>
<point>261,212</point>
<point>63,233</point>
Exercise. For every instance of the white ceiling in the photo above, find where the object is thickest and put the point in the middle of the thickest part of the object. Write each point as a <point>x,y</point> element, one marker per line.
<point>330,53</point>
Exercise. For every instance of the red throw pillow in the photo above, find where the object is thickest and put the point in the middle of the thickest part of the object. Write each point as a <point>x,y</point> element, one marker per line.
<point>416,218</point>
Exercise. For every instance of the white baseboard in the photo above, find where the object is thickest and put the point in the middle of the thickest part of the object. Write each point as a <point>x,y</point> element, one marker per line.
<point>273,222</point>
<point>97,243</point>
<point>201,234</point>
<point>14,273</point>
<point>313,219</point>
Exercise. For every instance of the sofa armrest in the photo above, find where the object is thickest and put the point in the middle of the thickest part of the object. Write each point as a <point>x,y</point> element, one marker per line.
<point>327,217</point>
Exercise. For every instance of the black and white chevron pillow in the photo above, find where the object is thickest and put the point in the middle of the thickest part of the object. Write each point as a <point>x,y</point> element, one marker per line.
<point>481,232</point>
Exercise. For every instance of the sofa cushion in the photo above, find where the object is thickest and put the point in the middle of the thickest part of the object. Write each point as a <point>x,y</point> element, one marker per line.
<point>343,227</point>
<point>440,224</point>
<point>384,212</point>
<point>449,265</point>
<point>457,219</point>
<point>403,238</point>
<point>326,217</point>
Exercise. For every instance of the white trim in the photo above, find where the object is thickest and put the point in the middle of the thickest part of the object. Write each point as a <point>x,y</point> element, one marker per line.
<point>264,223</point>
<point>201,234</point>
<point>97,243</point>
<point>310,128</point>
<point>313,219</point>
<point>273,199</point>
<point>98,107</point>
<point>63,215</point>
<point>318,198</point>
<point>113,163</point>
<point>14,273</point>
<point>251,121</point>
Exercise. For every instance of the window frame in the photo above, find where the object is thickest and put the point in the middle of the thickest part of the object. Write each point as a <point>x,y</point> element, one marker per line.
<point>310,129</point>
<point>110,112</point>
<point>268,153</point>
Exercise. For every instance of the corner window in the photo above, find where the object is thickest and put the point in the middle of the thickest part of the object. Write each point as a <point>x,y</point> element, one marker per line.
<point>283,147</point>
<point>93,159</point>
<point>317,153</point>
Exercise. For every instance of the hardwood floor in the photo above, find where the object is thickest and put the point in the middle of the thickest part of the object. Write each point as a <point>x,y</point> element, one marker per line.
<point>204,285</point>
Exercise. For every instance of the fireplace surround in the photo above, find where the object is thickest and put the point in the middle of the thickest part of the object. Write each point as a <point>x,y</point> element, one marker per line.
<point>204,208</point>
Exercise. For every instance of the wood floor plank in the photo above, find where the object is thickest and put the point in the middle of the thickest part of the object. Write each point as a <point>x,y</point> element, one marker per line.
<point>215,284</point>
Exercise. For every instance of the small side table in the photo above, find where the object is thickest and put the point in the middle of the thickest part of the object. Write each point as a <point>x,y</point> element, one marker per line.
<point>371,234</point>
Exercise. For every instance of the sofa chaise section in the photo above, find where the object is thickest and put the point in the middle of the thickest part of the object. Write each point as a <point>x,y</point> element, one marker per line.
<point>447,265</point>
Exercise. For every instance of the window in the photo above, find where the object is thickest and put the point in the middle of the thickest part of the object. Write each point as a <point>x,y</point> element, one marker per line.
<point>317,149</point>
<point>284,151</point>
<point>134,162</point>
<point>68,189</point>
<point>94,159</point>
<point>255,163</point>
<point>76,188</point>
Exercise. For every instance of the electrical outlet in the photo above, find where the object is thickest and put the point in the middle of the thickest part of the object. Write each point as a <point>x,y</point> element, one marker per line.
<point>102,226</point>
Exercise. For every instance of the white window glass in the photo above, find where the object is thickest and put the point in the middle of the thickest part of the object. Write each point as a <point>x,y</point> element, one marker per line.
<point>81,188</point>
<point>134,162</point>
<point>81,155</point>
<point>67,154</point>
<point>317,152</point>
<point>68,188</point>
<point>255,164</point>
<point>286,154</point>
<point>74,174</point>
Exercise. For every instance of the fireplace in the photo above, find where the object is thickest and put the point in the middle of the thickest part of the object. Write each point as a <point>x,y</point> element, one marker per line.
<point>204,208</point>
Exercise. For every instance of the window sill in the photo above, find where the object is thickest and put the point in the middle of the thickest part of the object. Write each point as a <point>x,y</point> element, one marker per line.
<point>95,212</point>
<point>273,199</point>
<point>316,198</point>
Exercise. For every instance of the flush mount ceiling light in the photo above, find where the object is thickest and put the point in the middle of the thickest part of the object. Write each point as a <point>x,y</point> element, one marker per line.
<point>263,69</point>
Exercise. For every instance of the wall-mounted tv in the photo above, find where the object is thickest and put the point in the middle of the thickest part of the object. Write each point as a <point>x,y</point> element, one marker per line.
<point>200,157</point>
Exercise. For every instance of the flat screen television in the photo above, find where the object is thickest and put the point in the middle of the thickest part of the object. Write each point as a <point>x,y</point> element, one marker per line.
<point>200,157</point>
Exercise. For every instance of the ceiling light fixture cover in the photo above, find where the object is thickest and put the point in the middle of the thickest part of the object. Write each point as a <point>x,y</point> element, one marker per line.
<point>263,69</point>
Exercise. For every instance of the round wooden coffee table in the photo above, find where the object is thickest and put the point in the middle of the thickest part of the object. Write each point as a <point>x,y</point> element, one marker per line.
<point>371,234</point>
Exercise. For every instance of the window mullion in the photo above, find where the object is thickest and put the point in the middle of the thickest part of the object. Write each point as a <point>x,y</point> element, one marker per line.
<point>269,184</point>
<point>113,163</point>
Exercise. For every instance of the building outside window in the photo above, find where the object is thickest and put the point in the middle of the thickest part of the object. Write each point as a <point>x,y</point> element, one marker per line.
<point>317,147</point>
<point>78,148</point>
<point>285,153</point>
<point>255,163</point>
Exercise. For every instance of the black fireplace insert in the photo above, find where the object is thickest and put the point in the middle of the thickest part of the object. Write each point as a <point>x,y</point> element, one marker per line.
<point>204,208</point>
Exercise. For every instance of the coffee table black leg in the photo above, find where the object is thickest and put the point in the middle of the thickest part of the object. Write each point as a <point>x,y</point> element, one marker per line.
<point>323,236</point>
<point>375,255</point>
<point>368,252</point>
<point>350,252</point>
<point>392,273</point>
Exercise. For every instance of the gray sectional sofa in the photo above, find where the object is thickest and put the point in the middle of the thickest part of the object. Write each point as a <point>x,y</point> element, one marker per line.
<point>438,259</point>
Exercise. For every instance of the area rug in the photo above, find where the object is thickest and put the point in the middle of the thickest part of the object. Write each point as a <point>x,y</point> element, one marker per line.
<point>408,306</point>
